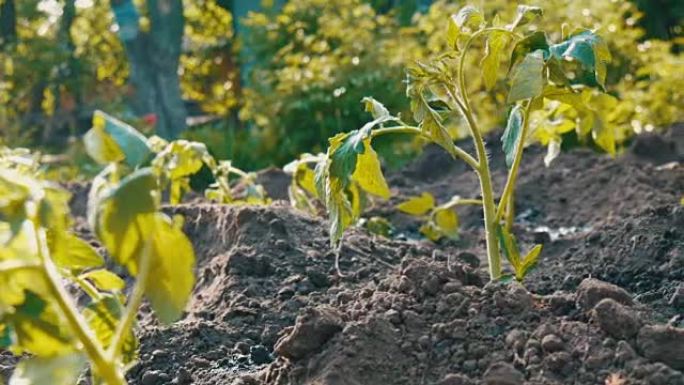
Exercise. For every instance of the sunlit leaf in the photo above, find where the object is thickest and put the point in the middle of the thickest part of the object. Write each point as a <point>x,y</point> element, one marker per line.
<point>469,17</point>
<point>529,262</point>
<point>512,136</point>
<point>447,222</point>
<point>418,205</point>
<point>72,253</point>
<point>377,110</point>
<point>36,329</point>
<point>58,370</point>
<point>527,80</point>
<point>103,317</point>
<point>368,173</point>
<point>496,42</point>
<point>104,280</point>
<point>110,138</point>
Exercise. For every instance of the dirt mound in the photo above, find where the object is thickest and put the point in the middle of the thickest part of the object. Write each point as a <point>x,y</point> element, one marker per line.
<point>606,301</point>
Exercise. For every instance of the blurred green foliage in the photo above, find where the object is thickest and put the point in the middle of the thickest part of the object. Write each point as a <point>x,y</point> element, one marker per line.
<point>312,61</point>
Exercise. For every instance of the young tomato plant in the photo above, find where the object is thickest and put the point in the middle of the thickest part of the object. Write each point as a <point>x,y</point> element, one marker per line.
<point>174,162</point>
<point>541,74</point>
<point>40,258</point>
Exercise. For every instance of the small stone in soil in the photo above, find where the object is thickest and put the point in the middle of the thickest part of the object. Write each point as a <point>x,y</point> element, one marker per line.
<point>662,343</point>
<point>455,379</point>
<point>154,377</point>
<point>591,291</point>
<point>552,343</point>
<point>615,319</point>
<point>501,373</point>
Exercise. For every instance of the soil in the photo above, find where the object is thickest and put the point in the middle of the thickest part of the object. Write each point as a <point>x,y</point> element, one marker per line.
<point>604,306</point>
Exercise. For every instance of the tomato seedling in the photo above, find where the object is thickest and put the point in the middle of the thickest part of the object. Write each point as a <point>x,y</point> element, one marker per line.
<point>542,75</point>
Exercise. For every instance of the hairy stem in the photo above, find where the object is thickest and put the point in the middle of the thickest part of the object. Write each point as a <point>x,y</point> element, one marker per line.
<point>488,204</point>
<point>105,368</point>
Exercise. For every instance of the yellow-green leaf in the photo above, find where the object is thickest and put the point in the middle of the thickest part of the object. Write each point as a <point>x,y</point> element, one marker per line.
<point>377,109</point>
<point>529,262</point>
<point>111,140</point>
<point>172,280</point>
<point>447,222</point>
<point>526,13</point>
<point>72,253</point>
<point>418,205</point>
<point>58,370</point>
<point>104,280</point>
<point>496,42</point>
<point>103,317</point>
<point>368,173</point>
<point>469,17</point>
<point>430,231</point>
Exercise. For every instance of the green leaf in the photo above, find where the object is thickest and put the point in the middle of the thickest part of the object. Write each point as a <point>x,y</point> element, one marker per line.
<point>368,173</point>
<point>511,137</point>
<point>509,247</point>
<point>103,316</point>
<point>528,78</point>
<point>379,226</point>
<point>345,150</point>
<point>453,33</point>
<point>418,205</point>
<point>529,262</point>
<point>111,140</point>
<point>530,43</point>
<point>104,280</point>
<point>526,13</point>
<point>588,49</point>
<point>59,370</point>
<point>430,231</point>
<point>496,42</point>
<point>469,17</point>
<point>377,110</point>
<point>72,253</point>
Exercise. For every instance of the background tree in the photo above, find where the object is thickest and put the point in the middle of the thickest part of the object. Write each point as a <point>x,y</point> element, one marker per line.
<point>153,50</point>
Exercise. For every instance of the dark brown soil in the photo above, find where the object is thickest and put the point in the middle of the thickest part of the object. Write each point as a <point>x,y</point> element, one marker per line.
<point>606,301</point>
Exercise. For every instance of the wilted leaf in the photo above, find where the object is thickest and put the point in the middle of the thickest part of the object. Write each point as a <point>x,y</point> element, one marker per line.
<point>469,17</point>
<point>511,137</point>
<point>552,152</point>
<point>59,370</point>
<point>377,109</point>
<point>368,173</point>
<point>528,78</point>
<point>418,205</point>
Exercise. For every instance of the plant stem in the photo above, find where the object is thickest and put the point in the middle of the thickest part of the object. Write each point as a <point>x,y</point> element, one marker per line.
<point>134,301</point>
<point>88,288</point>
<point>506,203</point>
<point>104,367</point>
<point>455,150</point>
<point>488,205</point>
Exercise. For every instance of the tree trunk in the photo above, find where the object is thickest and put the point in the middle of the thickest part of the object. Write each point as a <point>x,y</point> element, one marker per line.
<point>8,23</point>
<point>153,58</point>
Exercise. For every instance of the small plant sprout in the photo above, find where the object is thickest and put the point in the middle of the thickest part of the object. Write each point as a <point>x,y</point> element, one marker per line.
<point>439,221</point>
<point>562,79</point>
